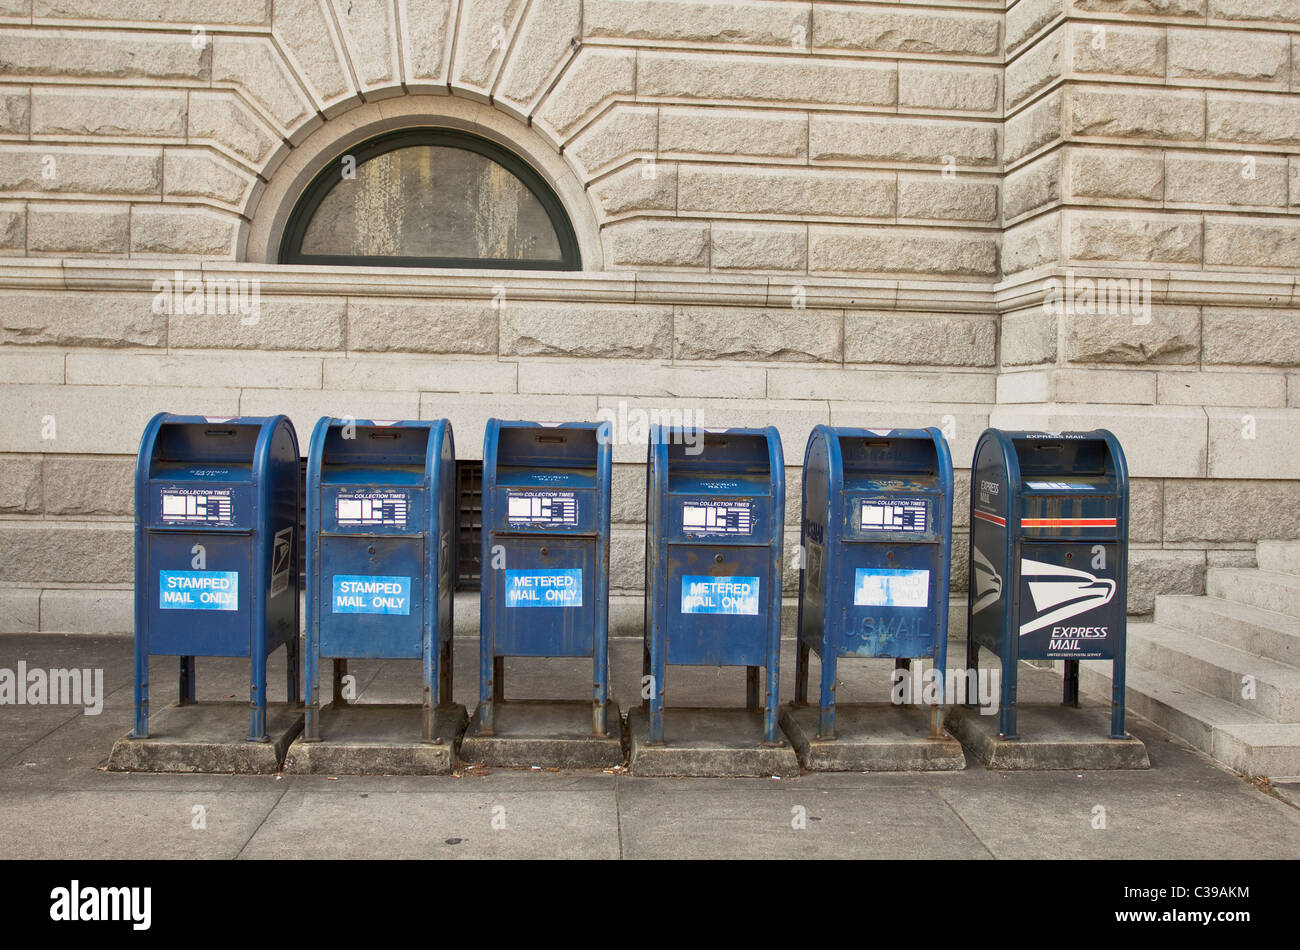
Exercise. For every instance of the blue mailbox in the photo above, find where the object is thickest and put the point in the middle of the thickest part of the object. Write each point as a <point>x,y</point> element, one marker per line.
<point>216,542</point>
<point>877,544</point>
<point>545,555</point>
<point>1049,557</point>
<point>715,516</point>
<point>381,518</point>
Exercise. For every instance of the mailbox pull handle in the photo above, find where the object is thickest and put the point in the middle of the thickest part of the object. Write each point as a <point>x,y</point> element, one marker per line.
<point>553,439</point>
<point>219,432</point>
<point>385,435</point>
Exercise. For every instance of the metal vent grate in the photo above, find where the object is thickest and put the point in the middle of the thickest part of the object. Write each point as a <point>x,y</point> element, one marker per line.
<point>469,525</point>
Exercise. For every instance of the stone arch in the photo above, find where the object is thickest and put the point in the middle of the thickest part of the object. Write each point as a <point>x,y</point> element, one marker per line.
<point>268,208</point>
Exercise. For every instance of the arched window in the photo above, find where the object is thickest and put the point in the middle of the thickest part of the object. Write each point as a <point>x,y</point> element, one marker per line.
<point>430,198</point>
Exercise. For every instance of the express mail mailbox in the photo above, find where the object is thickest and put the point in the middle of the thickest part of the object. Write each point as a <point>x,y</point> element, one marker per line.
<point>1049,557</point>
<point>216,571</point>
<point>715,513</point>
<point>877,542</point>
<point>545,555</point>
<point>381,516</point>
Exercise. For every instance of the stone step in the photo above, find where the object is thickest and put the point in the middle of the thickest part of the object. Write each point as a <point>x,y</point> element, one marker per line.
<point>1253,630</point>
<point>1217,670</point>
<point>1238,738</point>
<point>1267,589</point>
<point>1282,557</point>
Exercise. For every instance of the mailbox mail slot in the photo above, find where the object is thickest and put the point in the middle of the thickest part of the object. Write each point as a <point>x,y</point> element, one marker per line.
<point>216,546</point>
<point>381,517</point>
<point>1049,557</point>
<point>877,542</point>
<point>715,512</point>
<point>545,591</point>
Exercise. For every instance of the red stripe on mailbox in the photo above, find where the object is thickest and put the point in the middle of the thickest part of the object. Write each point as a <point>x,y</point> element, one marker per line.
<point>988,517</point>
<point>1067,522</point>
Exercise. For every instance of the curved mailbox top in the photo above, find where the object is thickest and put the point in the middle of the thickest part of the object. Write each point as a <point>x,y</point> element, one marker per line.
<point>894,463</point>
<point>542,476</point>
<point>359,450</point>
<point>716,484</point>
<point>210,472</point>
<point>1051,484</point>
<point>901,457</point>
<point>377,477</point>
<point>717,461</point>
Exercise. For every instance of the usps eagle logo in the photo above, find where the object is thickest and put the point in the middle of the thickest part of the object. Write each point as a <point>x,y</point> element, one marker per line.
<point>1061,592</point>
<point>986,581</point>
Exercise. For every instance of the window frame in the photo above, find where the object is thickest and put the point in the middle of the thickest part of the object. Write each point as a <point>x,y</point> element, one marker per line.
<point>327,179</point>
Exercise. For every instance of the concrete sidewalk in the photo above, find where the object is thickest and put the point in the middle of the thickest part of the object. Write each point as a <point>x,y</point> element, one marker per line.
<point>57,801</point>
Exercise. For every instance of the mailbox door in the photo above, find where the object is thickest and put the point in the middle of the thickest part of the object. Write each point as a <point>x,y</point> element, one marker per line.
<point>200,612</point>
<point>372,605</point>
<point>717,610</point>
<point>544,596</point>
<point>1068,609</point>
<point>891,599</point>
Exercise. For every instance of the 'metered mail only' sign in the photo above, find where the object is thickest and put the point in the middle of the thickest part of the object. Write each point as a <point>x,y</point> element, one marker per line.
<point>198,590</point>
<point>362,594</point>
<point>557,588</point>
<point>702,594</point>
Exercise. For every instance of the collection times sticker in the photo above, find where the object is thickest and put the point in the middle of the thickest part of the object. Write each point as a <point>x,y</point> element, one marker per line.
<point>197,506</point>
<point>542,507</point>
<point>359,509</point>
<point>717,517</point>
<point>880,514</point>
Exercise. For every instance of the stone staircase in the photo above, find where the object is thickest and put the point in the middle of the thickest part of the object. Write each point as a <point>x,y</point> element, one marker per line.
<point>1188,671</point>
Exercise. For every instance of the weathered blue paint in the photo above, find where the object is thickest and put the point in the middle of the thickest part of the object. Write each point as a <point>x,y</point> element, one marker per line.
<point>714,530</point>
<point>545,556</point>
<point>216,547</point>
<point>876,543</point>
<point>381,552</point>
<point>1049,557</point>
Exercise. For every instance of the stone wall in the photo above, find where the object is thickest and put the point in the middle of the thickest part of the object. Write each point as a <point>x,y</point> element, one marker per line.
<point>789,213</point>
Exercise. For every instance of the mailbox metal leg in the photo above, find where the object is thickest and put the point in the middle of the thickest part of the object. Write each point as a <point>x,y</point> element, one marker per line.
<point>826,694</point>
<point>487,669</point>
<point>1117,698</point>
<point>751,687</point>
<point>187,681</point>
<point>141,730</point>
<point>600,696</point>
<point>311,672</point>
<point>656,692</point>
<point>1070,696</point>
<point>430,678</point>
<point>292,683</point>
<point>499,678</point>
<point>445,671</point>
<point>1007,714</point>
<point>771,715</point>
<point>257,700</point>
<point>972,670</point>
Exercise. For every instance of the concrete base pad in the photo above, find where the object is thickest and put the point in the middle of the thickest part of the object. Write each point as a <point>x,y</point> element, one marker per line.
<point>708,742</point>
<point>1051,737</point>
<point>871,737</point>
<point>546,733</point>
<point>208,737</point>
<point>375,739</point>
